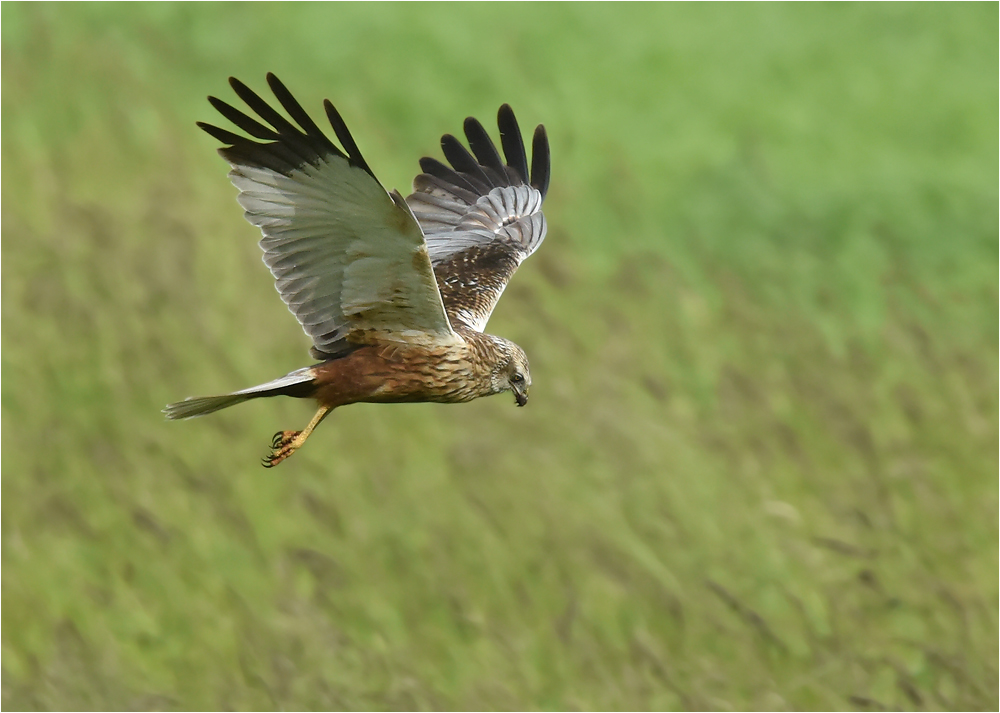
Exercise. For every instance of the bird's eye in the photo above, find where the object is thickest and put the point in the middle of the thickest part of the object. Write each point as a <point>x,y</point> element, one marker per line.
<point>516,379</point>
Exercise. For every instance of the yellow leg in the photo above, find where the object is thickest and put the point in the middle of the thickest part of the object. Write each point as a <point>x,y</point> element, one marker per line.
<point>287,442</point>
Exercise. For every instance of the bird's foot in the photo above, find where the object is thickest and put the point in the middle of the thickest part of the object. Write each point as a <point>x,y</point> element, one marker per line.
<point>283,445</point>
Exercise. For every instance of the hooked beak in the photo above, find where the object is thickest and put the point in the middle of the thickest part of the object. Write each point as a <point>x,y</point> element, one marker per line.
<point>521,397</point>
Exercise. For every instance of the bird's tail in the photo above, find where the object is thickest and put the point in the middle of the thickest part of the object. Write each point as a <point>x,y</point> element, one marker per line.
<point>299,383</point>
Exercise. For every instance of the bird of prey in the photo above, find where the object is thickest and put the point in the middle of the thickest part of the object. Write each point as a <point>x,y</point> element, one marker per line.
<point>395,294</point>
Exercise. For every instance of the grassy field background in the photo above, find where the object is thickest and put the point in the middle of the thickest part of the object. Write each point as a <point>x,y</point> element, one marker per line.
<point>759,466</point>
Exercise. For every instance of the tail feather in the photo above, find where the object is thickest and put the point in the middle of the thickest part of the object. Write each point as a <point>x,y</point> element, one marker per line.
<point>201,405</point>
<point>298,384</point>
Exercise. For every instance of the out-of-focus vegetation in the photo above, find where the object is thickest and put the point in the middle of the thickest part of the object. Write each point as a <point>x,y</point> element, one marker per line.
<point>759,466</point>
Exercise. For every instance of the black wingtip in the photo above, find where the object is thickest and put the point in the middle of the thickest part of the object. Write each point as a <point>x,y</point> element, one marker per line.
<point>483,168</point>
<point>345,138</point>
<point>465,163</point>
<point>512,142</point>
<point>238,86</point>
<point>295,110</point>
<point>215,102</point>
<point>433,167</point>
<point>226,137</point>
<point>486,151</point>
<point>540,161</point>
<point>275,84</point>
<point>275,142</point>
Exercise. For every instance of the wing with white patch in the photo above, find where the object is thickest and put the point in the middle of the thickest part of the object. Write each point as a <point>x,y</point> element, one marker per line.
<point>481,216</point>
<point>348,258</point>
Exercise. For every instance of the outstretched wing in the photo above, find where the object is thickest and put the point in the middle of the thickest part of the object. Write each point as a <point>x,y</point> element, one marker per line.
<point>348,258</point>
<point>481,217</point>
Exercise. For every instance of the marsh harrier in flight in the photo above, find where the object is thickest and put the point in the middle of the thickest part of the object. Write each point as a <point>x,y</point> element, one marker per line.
<point>395,294</point>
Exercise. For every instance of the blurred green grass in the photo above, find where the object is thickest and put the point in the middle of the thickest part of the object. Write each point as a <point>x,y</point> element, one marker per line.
<point>759,468</point>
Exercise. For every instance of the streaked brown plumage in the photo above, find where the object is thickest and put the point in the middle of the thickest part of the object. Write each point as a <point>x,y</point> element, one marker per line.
<point>394,293</point>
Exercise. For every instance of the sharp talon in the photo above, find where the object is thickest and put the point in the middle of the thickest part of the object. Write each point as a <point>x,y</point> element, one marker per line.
<point>282,446</point>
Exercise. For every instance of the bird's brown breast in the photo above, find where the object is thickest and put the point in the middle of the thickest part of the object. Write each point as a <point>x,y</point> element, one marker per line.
<point>400,373</point>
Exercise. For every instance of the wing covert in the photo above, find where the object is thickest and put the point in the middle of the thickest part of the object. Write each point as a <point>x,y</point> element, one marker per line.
<point>348,258</point>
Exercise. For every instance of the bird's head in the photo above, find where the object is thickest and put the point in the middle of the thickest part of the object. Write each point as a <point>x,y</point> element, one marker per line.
<point>511,372</point>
